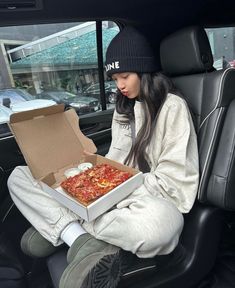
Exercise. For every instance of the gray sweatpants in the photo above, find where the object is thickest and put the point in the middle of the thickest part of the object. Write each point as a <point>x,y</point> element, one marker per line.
<point>143,223</point>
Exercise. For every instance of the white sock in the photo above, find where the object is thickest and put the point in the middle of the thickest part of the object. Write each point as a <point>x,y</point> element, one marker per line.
<point>71,233</point>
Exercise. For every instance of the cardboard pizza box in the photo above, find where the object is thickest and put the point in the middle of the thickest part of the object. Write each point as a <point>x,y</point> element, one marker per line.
<point>52,142</point>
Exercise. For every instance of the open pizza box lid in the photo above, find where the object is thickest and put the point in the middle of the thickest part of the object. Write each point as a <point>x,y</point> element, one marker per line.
<point>51,142</point>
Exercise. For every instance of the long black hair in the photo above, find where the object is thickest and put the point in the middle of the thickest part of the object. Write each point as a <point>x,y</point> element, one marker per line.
<point>154,88</point>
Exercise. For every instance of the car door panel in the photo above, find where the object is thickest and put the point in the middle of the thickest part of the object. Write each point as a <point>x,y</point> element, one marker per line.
<point>10,157</point>
<point>98,127</point>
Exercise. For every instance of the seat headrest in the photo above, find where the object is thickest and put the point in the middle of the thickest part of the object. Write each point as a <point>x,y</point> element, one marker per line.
<point>186,51</point>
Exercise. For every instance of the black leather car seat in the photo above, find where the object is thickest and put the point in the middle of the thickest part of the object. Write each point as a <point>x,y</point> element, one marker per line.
<point>186,57</point>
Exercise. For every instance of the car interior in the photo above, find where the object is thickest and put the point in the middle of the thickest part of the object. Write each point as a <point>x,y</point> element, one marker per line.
<point>178,32</point>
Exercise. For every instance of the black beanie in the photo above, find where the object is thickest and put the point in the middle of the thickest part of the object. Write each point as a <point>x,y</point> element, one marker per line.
<point>129,51</point>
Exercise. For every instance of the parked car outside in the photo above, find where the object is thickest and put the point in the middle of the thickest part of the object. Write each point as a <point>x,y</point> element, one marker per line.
<point>110,91</point>
<point>14,95</point>
<point>31,105</point>
<point>85,104</point>
<point>81,104</point>
<point>5,114</point>
<point>222,63</point>
<point>17,100</point>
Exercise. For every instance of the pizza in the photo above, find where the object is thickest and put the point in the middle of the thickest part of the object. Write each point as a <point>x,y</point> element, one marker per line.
<point>95,182</point>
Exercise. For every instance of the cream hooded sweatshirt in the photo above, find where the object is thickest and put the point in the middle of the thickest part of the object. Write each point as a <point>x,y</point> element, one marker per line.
<point>172,152</point>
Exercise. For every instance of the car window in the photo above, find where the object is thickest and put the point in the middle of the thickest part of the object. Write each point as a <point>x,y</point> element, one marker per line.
<point>50,64</point>
<point>222,46</point>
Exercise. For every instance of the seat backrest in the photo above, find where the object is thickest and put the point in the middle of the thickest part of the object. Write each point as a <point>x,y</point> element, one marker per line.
<point>187,58</point>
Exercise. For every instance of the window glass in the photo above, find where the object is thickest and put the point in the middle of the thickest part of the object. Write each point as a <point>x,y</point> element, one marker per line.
<point>222,41</point>
<point>45,64</point>
<point>109,30</point>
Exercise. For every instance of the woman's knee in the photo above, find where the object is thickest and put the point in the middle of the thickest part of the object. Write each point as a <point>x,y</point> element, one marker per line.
<point>20,178</point>
<point>162,225</point>
<point>146,227</point>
